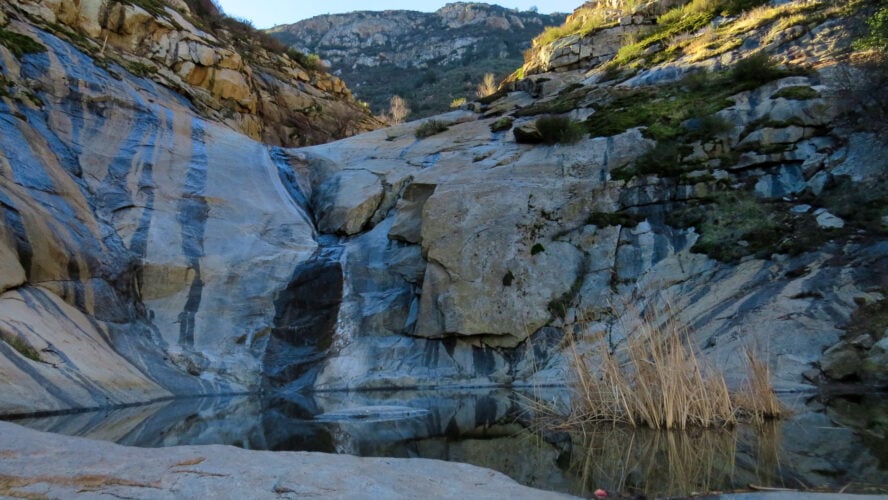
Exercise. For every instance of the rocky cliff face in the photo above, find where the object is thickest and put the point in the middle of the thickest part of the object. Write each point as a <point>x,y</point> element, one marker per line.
<point>149,251</point>
<point>144,232</point>
<point>448,50</point>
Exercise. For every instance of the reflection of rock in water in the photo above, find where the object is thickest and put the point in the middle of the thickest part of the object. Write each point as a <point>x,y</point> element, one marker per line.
<point>869,416</point>
<point>653,463</point>
<point>233,421</point>
<point>816,451</point>
<point>489,428</point>
<point>807,451</point>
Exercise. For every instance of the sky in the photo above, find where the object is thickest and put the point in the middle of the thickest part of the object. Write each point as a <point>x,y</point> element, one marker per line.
<point>268,13</point>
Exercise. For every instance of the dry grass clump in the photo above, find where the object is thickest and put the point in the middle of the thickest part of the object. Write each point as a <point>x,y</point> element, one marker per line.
<point>487,86</point>
<point>757,401</point>
<point>583,22</point>
<point>657,380</point>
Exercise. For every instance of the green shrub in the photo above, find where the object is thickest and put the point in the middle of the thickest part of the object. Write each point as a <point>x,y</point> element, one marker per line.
<point>501,125</point>
<point>140,69</point>
<point>731,225</point>
<point>20,45</point>
<point>311,62</point>
<point>869,318</point>
<point>508,278</point>
<point>559,129</point>
<point>604,219</point>
<point>734,7</point>
<point>707,128</point>
<point>878,31</point>
<point>430,128</point>
<point>22,346</point>
<point>756,70</point>
<point>664,159</point>
<point>796,93</point>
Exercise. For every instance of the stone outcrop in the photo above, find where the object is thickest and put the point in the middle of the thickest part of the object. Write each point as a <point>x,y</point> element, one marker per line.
<point>507,244</point>
<point>264,95</point>
<point>92,468</point>
<point>585,50</point>
<point>580,51</point>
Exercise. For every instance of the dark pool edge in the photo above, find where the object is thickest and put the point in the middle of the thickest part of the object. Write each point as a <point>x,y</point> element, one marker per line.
<point>12,417</point>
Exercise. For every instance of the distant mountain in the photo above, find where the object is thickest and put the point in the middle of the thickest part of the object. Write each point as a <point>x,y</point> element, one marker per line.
<point>447,52</point>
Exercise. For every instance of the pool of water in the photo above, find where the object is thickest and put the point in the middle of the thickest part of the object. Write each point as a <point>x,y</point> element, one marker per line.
<point>841,444</point>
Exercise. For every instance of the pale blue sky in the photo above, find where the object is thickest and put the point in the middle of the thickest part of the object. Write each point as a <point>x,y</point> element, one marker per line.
<point>267,13</point>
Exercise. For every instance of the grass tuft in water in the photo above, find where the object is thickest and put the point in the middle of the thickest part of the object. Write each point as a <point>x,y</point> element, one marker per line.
<point>656,379</point>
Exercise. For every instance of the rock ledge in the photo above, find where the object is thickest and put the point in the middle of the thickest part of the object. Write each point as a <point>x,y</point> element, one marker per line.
<point>54,466</point>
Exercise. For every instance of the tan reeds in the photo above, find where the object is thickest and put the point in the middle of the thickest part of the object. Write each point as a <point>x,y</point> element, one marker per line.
<point>758,401</point>
<point>656,379</point>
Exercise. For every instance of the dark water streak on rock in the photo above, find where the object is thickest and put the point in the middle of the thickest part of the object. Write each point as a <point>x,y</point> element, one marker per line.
<point>192,217</point>
<point>305,322</point>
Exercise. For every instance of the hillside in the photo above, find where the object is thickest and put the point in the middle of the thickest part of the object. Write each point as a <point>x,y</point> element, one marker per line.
<point>428,58</point>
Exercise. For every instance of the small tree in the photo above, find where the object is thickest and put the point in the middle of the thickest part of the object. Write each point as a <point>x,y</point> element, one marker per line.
<point>487,86</point>
<point>877,38</point>
<point>398,110</point>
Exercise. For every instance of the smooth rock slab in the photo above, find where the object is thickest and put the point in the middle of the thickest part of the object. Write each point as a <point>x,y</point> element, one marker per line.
<point>40,464</point>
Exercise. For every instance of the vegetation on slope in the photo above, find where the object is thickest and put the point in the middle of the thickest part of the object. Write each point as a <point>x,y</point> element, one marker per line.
<point>429,85</point>
<point>877,38</point>
<point>20,45</point>
<point>697,149</point>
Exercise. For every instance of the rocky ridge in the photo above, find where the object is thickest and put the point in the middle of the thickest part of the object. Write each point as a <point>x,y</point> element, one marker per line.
<point>449,50</point>
<point>262,94</point>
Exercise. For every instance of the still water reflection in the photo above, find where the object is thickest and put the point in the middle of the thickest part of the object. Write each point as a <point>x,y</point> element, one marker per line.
<point>841,446</point>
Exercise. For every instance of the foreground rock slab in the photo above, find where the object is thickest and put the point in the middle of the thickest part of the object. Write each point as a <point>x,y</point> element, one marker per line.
<point>37,464</point>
